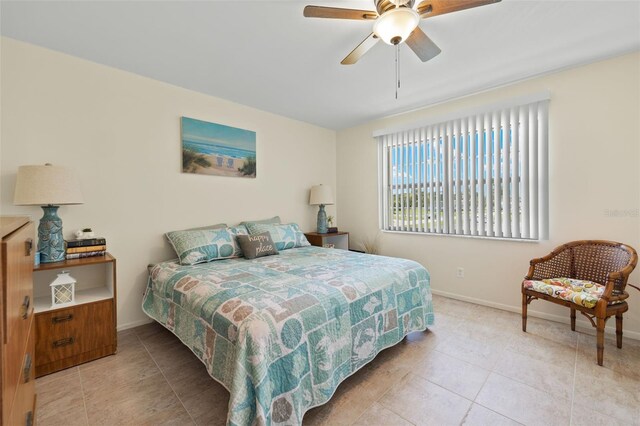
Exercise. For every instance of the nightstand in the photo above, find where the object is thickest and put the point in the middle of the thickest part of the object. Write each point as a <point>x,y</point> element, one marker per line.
<point>80,332</point>
<point>339,240</point>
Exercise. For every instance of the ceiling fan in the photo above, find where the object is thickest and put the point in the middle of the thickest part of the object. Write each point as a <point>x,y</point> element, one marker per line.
<point>396,22</point>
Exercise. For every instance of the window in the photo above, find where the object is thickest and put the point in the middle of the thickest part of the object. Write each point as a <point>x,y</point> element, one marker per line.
<point>483,174</point>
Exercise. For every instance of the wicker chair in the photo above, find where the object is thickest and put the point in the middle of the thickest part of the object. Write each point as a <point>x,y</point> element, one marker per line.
<point>605,264</point>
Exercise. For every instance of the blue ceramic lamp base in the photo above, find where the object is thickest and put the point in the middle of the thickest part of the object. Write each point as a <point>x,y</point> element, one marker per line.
<point>322,220</point>
<point>50,239</point>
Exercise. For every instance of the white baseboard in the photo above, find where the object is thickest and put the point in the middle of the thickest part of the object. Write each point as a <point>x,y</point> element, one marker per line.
<point>133,324</point>
<point>580,324</point>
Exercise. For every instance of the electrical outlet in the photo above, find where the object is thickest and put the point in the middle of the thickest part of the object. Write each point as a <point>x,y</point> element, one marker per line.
<point>460,272</point>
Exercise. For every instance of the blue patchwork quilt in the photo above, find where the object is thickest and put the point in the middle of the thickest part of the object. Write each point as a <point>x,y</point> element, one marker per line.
<point>280,333</point>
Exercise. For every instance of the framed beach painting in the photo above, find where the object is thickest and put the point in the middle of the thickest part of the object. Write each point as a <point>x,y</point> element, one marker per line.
<point>216,149</point>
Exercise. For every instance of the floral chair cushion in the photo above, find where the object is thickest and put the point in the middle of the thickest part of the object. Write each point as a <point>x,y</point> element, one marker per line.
<point>580,292</point>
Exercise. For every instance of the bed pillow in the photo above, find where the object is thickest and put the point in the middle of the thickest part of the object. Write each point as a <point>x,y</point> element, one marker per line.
<point>204,245</point>
<point>216,226</point>
<point>275,219</point>
<point>285,236</point>
<point>257,245</point>
<point>199,228</point>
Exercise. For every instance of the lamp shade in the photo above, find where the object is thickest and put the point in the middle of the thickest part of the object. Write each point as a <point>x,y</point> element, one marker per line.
<point>321,194</point>
<point>396,25</point>
<point>46,185</point>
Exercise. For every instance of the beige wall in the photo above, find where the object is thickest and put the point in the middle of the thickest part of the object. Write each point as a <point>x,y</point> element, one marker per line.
<point>120,132</point>
<point>594,139</point>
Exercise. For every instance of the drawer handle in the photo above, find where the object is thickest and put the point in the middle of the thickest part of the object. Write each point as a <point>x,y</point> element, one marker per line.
<point>28,245</point>
<point>63,342</point>
<point>62,318</point>
<point>24,308</point>
<point>28,421</point>
<point>27,368</point>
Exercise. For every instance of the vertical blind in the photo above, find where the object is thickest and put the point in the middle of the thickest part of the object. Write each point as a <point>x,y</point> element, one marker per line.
<point>483,174</point>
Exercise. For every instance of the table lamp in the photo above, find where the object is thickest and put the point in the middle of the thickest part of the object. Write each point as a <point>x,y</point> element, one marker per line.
<point>321,195</point>
<point>50,187</point>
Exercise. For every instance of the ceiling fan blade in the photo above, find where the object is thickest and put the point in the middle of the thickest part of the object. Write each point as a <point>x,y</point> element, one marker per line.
<point>362,48</point>
<point>430,8</point>
<point>422,45</point>
<point>338,13</point>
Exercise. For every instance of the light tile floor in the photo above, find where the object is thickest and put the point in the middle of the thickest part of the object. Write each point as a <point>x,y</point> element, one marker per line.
<point>475,367</point>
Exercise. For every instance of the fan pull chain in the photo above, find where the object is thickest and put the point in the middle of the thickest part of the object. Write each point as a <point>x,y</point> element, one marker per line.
<point>397,69</point>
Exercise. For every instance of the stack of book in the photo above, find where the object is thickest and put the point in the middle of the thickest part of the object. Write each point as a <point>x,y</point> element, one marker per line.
<point>88,247</point>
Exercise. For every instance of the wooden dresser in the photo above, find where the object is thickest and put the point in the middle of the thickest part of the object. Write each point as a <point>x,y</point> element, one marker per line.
<point>17,322</point>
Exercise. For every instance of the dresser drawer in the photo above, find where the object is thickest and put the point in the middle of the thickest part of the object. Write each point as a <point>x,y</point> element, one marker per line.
<point>20,344</point>
<point>17,323</point>
<point>18,297</point>
<point>23,410</point>
<point>75,330</point>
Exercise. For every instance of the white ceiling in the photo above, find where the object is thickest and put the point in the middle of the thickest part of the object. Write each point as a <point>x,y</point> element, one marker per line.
<point>266,55</point>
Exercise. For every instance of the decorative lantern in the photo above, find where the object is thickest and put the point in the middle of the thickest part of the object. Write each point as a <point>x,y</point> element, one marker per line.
<point>63,290</point>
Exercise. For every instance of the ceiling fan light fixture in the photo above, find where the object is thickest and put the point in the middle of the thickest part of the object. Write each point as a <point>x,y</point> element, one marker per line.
<point>396,25</point>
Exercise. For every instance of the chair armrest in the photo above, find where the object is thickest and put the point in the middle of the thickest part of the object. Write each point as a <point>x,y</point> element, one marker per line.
<point>621,274</point>
<point>541,267</point>
<point>532,268</point>
<point>612,277</point>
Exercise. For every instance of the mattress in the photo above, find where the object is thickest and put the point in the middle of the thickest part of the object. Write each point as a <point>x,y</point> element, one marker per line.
<point>280,333</point>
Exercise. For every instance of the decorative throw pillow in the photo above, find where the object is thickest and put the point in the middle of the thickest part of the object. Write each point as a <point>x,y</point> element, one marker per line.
<point>257,245</point>
<point>204,245</point>
<point>285,236</point>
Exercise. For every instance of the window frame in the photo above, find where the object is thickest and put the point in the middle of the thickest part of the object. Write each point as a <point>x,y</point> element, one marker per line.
<point>523,122</point>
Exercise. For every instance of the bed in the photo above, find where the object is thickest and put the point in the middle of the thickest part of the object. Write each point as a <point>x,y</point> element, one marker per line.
<point>280,333</point>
